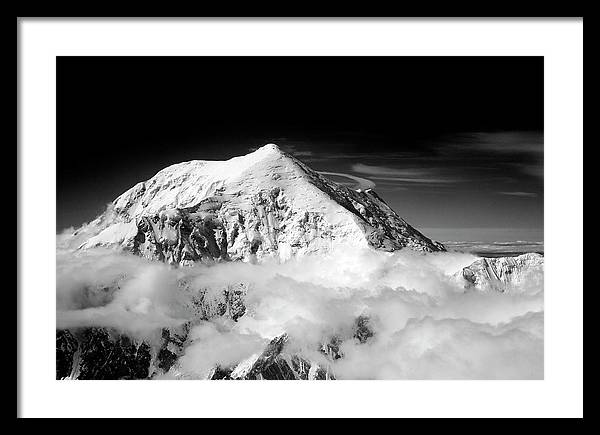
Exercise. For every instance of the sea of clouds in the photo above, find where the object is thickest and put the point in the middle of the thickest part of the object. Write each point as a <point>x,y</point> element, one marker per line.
<point>425,324</point>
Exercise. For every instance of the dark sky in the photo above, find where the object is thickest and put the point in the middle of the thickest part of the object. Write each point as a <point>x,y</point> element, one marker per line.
<point>451,143</point>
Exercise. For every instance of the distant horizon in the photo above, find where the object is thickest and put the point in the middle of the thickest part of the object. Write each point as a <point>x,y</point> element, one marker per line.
<point>483,234</point>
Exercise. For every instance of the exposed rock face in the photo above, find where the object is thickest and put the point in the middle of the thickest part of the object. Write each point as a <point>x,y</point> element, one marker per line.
<point>264,204</point>
<point>172,346</point>
<point>102,353</point>
<point>92,353</point>
<point>206,303</point>
<point>66,347</point>
<point>274,364</point>
<point>363,329</point>
<point>502,273</point>
<point>277,362</point>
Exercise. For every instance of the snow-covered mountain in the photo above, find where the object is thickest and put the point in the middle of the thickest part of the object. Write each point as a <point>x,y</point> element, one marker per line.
<point>143,320</point>
<point>264,204</point>
<point>504,273</point>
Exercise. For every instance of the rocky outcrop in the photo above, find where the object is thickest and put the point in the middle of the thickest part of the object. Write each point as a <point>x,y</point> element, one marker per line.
<point>503,273</point>
<point>97,353</point>
<point>103,353</point>
<point>277,362</point>
<point>274,363</point>
<point>362,329</point>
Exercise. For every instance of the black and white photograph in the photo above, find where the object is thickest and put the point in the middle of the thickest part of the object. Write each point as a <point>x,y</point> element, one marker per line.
<point>299,214</point>
<point>283,218</point>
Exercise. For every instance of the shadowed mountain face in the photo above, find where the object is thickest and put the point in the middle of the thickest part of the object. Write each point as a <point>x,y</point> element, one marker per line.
<point>262,205</point>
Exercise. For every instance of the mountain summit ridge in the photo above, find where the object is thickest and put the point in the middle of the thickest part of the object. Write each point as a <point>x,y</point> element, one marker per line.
<point>264,204</point>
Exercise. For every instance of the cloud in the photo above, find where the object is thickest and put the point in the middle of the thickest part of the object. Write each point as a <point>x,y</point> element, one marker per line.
<point>521,194</point>
<point>509,142</point>
<point>450,349</point>
<point>360,183</point>
<point>383,170</point>
<point>424,324</point>
<point>522,150</point>
<point>295,151</point>
<point>487,158</point>
<point>417,180</point>
<point>421,176</point>
<point>216,344</point>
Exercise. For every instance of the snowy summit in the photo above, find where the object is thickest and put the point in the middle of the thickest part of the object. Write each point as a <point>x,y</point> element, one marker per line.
<point>260,205</point>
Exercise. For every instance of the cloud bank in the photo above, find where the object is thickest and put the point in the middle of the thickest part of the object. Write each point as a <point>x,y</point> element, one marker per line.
<point>425,325</point>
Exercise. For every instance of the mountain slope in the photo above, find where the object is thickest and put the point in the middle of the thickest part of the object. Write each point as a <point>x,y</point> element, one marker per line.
<point>264,204</point>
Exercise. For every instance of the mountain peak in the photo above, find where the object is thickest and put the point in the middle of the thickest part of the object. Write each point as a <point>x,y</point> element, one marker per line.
<point>266,203</point>
<point>270,147</point>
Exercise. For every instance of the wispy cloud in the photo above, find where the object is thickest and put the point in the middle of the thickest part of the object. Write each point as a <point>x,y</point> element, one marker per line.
<point>417,180</point>
<point>522,194</point>
<point>512,142</point>
<point>293,150</point>
<point>522,150</point>
<point>359,182</point>
<point>403,175</point>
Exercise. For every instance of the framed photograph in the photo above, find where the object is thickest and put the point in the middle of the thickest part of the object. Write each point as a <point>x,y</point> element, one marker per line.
<point>306,211</point>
